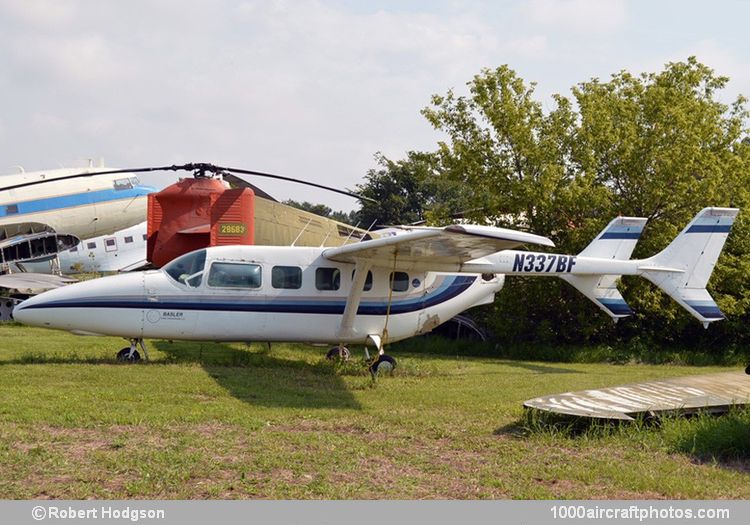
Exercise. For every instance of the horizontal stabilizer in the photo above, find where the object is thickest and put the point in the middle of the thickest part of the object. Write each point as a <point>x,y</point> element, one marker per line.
<point>603,292</point>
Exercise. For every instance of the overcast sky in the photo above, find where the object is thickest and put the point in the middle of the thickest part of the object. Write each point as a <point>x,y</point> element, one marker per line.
<point>308,89</point>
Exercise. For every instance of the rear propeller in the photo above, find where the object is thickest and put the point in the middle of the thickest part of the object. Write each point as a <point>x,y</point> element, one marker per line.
<point>199,169</point>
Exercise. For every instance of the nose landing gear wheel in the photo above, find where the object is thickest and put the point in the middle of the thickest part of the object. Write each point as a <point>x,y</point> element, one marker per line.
<point>338,352</point>
<point>385,364</point>
<point>124,356</point>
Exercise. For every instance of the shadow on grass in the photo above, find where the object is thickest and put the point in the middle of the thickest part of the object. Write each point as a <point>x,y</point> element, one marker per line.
<point>719,439</point>
<point>723,439</point>
<point>541,369</point>
<point>548,424</point>
<point>260,378</point>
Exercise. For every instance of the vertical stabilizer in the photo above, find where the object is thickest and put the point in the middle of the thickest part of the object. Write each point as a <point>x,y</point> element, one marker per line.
<point>683,268</point>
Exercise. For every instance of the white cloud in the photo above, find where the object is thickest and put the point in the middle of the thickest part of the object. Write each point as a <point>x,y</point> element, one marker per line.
<point>531,47</point>
<point>81,61</point>
<point>723,60</point>
<point>307,88</point>
<point>578,16</point>
<point>44,14</point>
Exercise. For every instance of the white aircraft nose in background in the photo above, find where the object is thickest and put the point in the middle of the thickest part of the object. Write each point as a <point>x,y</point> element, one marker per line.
<point>61,308</point>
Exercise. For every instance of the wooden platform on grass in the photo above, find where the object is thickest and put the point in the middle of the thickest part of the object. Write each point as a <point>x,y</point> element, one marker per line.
<point>680,395</point>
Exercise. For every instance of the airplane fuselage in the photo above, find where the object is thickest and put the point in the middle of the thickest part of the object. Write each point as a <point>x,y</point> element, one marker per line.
<point>259,293</point>
<point>85,207</point>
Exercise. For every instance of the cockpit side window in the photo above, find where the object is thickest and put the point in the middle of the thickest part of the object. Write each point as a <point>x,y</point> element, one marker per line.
<point>234,275</point>
<point>188,269</point>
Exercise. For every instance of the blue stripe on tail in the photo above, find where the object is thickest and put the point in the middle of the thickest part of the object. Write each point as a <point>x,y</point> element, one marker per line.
<point>616,306</point>
<point>708,309</point>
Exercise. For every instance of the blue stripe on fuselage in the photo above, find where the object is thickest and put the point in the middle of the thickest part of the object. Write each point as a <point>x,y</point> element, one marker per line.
<point>451,288</point>
<point>76,199</point>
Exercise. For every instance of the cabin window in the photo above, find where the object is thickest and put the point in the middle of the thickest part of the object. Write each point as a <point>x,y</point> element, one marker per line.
<point>399,281</point>
<point>73,249</point>
<point>368,280</point>
<point>91,245</point>
<point>187,269</point>
<point>134,181</point>
<point>10,209</point>
<point>128,239</point>
<point>286,277</point>
<point>109,242</point>
<point>123,184</point>
<point>234,275</point>
<point>327,279</point>
<point>145,237</point>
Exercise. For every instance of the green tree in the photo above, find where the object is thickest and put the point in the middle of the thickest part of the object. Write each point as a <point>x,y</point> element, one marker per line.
<point>659,145</point>
<point>409,191</point>
<point>324,211</point>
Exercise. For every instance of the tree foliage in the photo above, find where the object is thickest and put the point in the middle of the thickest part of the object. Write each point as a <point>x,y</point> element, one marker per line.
<point>409,191</point>
<point>657,145</point>
<point>324,211</point>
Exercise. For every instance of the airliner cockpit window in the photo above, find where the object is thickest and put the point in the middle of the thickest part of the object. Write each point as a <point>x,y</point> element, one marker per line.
<point>123,184</point>
<point>188,269</point>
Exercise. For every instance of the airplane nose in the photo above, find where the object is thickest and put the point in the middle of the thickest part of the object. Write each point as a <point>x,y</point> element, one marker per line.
<point>88,307</point>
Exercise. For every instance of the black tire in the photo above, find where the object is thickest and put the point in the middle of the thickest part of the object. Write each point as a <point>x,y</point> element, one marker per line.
<point>122,356</point>
<point>747,370</point>
<point>384,364</point>
<point>340,353</point>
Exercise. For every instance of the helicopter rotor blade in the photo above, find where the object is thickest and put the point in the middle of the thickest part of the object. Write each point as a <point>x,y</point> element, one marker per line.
<point>237,182</point>
<point>200,168</point>
<point>298,181</point>
<point>89,174</point>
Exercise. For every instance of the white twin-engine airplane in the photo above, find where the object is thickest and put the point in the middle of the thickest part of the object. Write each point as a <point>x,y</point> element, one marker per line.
<point>371,292</point>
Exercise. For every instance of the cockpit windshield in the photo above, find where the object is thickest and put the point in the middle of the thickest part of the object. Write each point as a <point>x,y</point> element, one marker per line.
<point>188,269</point>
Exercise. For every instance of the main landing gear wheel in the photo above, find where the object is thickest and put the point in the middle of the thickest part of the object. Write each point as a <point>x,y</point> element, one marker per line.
<point>385,364</point>
<point>124,356</point>
<point>338,352</point>
<point>129,354</point>
<point>747,370</point>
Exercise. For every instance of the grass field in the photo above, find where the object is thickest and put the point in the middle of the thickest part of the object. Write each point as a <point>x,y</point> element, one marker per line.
<point>231,421</point>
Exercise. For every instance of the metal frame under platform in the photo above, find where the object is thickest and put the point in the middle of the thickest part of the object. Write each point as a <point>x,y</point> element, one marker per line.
<point>679,395</point>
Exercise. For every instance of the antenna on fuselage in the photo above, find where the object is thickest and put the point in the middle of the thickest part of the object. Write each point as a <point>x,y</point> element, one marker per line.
<point>303,231</point>
<point>367,231</point>
<point>325,239</point>
<point>351,232</point>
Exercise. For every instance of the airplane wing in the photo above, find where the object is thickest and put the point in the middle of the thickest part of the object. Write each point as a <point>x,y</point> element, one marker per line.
<point>433,247</point>
<point>33,283</point>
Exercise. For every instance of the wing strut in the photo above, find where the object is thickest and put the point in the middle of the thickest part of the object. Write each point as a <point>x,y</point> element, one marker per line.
<point>355,296</point>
